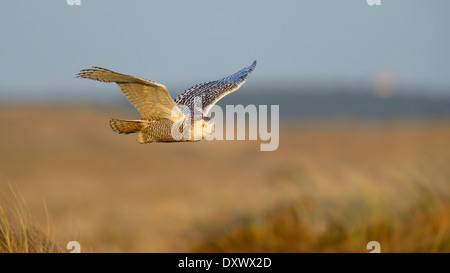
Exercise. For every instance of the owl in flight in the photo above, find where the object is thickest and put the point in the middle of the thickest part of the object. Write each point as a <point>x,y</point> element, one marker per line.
<point>159,112</point>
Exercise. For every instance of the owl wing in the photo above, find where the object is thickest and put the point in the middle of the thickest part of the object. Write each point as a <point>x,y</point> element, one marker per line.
<point>211,92</point>
<point>151,99</point>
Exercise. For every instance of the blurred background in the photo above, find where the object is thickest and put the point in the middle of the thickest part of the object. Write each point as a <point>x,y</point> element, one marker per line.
<point>364,96</point>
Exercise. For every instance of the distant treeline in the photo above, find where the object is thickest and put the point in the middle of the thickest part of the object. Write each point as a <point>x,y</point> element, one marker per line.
<point>315,101</point>
<point>341,103</point>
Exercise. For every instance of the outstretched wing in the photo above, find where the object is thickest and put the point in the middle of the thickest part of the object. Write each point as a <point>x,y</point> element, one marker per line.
<point>211,92</point>
<point>151,99</point>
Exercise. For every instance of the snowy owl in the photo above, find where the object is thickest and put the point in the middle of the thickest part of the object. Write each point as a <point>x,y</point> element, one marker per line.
<point>159,112</point>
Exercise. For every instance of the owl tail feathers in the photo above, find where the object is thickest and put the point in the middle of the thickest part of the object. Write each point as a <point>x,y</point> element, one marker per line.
<point>126,126</point>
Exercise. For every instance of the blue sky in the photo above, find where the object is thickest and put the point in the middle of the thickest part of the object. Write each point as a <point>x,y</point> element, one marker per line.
<point>180,43</point>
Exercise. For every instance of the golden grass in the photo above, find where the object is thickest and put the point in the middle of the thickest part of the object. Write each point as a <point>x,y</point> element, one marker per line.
<point>18,232</point>
<point>389,184</point>
<point>347,227</point>
<point>330,187</point>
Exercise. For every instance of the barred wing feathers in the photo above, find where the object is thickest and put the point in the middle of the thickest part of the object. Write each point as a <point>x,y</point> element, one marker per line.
<point>211,92</point>
<point>151,99</point>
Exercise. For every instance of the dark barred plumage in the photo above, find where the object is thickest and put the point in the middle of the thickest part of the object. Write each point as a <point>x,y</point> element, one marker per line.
<point>211,92</point>
<point>156,131</point>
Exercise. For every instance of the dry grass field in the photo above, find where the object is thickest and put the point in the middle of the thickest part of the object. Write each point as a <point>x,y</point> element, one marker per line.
<point>330,187</point>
